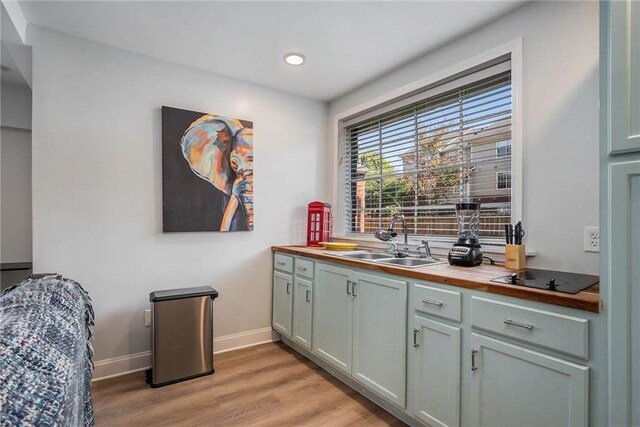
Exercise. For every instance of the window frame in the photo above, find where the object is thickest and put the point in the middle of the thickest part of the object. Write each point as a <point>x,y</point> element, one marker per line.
<point>507,152</point>
<point>507,180</point>
<point>375,106</point>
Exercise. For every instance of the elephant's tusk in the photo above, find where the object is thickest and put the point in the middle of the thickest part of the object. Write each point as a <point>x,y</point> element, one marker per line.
<point>229,212</point>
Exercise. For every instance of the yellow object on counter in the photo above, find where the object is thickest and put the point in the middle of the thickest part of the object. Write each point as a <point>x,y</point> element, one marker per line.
<point>339,246</point>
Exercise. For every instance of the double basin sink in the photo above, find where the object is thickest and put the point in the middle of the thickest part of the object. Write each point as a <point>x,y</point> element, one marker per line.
<point>380,258</point>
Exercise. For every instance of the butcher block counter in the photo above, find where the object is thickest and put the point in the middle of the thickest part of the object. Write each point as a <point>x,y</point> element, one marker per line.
<point>477,278</point>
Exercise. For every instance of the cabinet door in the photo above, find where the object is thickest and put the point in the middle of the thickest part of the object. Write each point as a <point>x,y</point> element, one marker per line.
<point>333,321</point>
<point>434,372</point>
<point>513,386</point>
<point>302,303</point>
<point>379,346</point>
<point>282,302</point>
<point>624,75</point>
<point>623,243</point>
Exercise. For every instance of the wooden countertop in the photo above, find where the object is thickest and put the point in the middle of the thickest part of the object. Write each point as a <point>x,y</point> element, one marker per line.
<point>478,278</point>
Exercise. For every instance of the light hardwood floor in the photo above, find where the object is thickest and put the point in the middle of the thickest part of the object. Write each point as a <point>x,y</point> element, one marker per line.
<point>266,385</point>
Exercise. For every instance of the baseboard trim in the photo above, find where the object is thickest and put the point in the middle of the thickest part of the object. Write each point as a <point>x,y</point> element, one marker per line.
<point>109,368</point>
<point>122,365</point>
<point>243,340</point>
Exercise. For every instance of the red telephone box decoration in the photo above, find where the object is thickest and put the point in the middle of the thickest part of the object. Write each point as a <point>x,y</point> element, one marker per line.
<point>318,223</point>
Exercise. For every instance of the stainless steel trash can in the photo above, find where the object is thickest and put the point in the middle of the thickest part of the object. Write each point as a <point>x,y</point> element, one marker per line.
<point>181,334</point>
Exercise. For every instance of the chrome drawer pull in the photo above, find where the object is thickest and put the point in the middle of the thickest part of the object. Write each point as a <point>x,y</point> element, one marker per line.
<point>432,302</point>
<point>518,324</point>
<point>415,338</point>
<point>348,290</point>
<point>301,268</point>
<point>280,263</point>
<point>308,296</point>
<point>288,288</point>
<point>474,368</point>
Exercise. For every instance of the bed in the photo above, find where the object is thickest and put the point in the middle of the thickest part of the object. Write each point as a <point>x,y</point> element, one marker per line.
<point>45,353</point>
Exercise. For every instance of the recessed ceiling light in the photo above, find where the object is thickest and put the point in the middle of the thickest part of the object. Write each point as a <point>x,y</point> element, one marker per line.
<point>294,58</point>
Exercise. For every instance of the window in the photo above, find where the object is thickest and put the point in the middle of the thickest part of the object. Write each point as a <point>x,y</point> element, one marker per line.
<point>503,149</point>
<point>503,180</point>
<point>422,155</point>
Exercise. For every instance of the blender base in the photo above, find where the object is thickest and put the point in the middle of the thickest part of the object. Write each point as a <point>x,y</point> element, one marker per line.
<point>466,254</point>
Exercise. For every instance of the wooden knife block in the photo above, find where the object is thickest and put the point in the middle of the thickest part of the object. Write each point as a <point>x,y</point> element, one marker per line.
<point>515,257</point>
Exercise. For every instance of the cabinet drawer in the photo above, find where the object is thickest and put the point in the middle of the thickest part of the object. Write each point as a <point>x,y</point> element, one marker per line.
<point>435,301</point>
<point>304,268</point>
<point>555,331</point>
<point>283,263</point>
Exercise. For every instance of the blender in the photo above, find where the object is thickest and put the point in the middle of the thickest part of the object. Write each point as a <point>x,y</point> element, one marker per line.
<point>467,251</point>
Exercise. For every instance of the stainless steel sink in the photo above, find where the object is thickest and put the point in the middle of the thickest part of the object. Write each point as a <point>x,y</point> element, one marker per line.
<point>368,256</point>
<point>410,262</point>
<point>382,258</point>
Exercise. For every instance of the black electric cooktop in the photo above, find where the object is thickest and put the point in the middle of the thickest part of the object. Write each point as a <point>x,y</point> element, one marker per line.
<point>559,281</point>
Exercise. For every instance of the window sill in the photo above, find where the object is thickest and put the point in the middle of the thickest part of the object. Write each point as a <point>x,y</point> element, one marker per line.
<point>438,247</point>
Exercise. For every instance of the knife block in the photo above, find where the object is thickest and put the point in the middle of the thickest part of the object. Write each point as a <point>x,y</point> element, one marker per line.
<point>515,257</point>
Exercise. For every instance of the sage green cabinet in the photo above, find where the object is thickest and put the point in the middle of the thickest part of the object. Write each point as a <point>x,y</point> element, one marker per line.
<point>379,339</point>
<point>333,316</point>
<point>514,386</point>
<point>282,302</point>
<point>624,76</point>
<point>302,311</point>
<point>624,278</point>
<point>620,203</point>
<point>434,372</point>
<point>359,327</point>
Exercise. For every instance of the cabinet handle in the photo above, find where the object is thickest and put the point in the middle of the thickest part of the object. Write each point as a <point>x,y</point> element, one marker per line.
<point>432,302</point>
<point>353,288</point>
<point>348,290</point>
<point>474,368</point>
<point>415,338</point>
<point>518,324</point>
<point>280,263</point>
<point>301,268</point>
<point>288,288</point>
<point>308,296</point>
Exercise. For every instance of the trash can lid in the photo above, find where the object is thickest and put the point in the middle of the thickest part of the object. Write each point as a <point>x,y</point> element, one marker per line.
<point>170,294</point>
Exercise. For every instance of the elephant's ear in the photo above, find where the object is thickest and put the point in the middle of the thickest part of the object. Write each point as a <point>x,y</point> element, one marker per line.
<point>206,146</point>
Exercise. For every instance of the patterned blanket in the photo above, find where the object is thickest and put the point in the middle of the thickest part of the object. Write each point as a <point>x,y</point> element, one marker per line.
<point>45,354</point>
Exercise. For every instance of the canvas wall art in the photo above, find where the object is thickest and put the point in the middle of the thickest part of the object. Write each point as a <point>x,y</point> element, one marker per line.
<point>207,172</point>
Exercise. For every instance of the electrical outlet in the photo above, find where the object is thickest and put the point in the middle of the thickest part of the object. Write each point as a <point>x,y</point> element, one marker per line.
<point>592,239</point>
<point>147,317</point>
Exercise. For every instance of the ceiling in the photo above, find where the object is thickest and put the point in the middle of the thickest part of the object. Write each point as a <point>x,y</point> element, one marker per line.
<point>346,43</point>
<point>10,45</point>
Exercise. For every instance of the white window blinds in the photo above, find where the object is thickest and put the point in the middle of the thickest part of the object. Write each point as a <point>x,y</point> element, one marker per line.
<point>422,155</point>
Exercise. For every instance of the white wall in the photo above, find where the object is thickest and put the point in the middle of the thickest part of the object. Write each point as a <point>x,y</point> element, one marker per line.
<point>16,106</point>
<point>97,202</point>
<point>560,105</point>
<point>15,154</point>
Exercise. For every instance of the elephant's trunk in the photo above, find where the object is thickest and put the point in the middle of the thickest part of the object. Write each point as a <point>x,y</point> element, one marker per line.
<point>243,190</point>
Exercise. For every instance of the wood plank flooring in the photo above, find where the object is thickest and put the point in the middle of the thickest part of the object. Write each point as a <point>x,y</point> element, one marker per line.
<point>266,385</point>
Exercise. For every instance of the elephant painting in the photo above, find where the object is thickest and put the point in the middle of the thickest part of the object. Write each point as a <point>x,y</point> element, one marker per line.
<point>219,151</point>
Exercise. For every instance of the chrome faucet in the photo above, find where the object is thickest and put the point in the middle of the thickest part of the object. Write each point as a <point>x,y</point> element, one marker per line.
<point>399,217</point>
<point>388,234</point>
